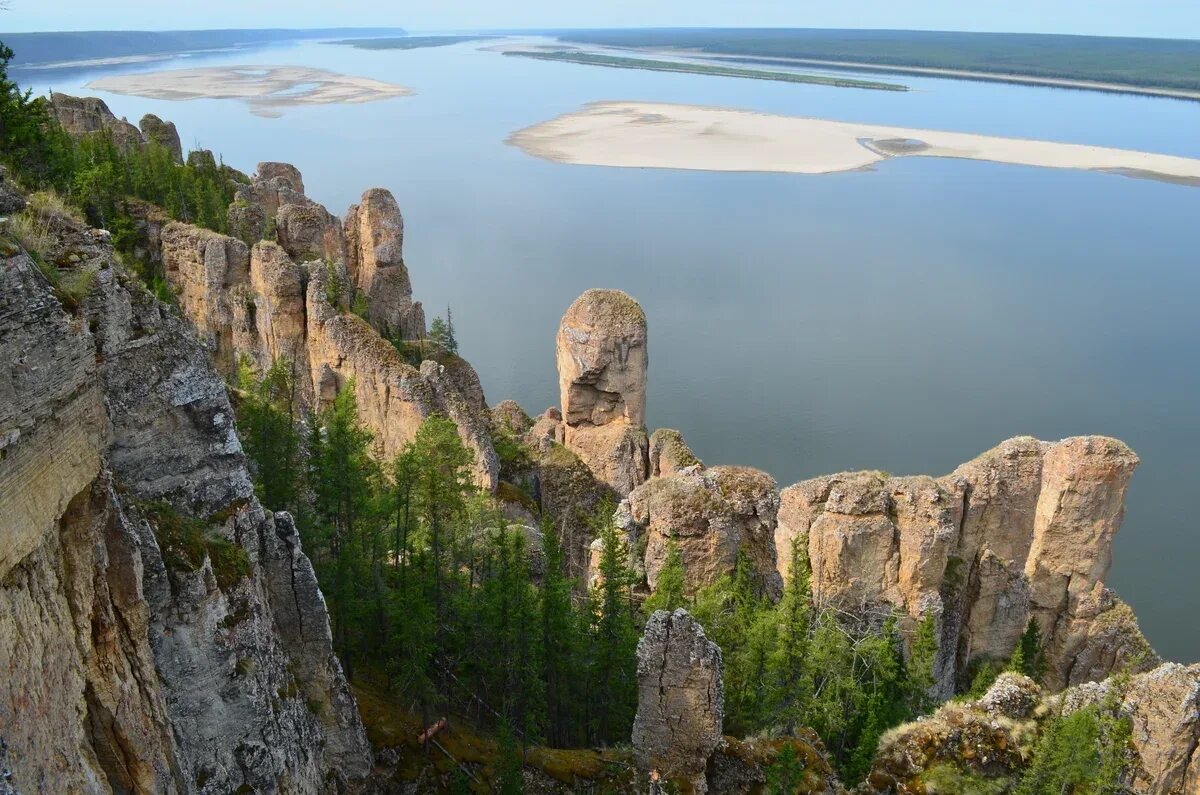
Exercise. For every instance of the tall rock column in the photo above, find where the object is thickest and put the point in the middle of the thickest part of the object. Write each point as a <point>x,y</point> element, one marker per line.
<point>602,361</point>
<point>374,231</point>
<point>1080,509</point>
<point>681,699</point>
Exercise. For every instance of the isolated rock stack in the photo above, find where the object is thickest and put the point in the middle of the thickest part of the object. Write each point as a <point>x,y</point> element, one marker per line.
<point>374,231</point>
<point>681,699</point>
<point>602,361</point>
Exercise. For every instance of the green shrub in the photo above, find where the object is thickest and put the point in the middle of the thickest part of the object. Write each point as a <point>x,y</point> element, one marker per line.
<point>184,546</point>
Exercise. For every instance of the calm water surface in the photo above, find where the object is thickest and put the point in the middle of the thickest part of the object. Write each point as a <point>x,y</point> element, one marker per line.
<point>904,319</point>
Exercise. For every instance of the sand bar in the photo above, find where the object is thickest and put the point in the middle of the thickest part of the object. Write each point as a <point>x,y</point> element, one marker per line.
<point>698,138</point>
<point>266,89</point>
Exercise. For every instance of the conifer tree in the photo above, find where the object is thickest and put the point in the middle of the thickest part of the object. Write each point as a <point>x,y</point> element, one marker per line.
<point>613,672</point>
<point>669,587</point>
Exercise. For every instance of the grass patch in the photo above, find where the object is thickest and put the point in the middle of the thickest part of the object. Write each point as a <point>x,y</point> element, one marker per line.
<point>185,544</point>
<point>391,723</point>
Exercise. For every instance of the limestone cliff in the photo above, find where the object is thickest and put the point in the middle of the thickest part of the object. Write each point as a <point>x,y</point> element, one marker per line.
<point>713,517</point>
<point>1024,531</point>
<point>161,631</point>
<point>288,297</point>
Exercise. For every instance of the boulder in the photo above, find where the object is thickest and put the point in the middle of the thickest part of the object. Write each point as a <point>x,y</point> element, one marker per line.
<point>602,361</point>
<point>681,699</point>
<point>307,231</point>
<point>286,172</point>
<point>509,414</point>
<point>11,198</point>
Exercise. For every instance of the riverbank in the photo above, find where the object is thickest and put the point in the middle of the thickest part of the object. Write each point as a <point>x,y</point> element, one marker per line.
<point>716,70</point>
<point>699,138</point>
<point>966,74</point>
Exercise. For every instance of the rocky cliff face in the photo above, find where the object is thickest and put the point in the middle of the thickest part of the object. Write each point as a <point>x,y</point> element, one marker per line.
<point>1024,531</point>
<point>83,115</point>
<point>288,297</point>
<point>713,517</point>
<point>162,632</point>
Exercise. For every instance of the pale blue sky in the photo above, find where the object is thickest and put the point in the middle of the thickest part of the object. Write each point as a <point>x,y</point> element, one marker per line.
<point>1168,18</point>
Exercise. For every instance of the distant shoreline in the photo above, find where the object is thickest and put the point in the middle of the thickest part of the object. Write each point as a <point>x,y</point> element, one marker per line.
<point>684,67</point>
<point>699,138</point>
<point>963,74</point>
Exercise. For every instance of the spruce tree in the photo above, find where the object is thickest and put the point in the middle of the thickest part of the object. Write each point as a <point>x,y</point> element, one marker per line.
<point>613,672</point>
<point>669,587</point>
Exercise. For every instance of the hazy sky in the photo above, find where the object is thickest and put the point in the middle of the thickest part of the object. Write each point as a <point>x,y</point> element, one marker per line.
<point>1171,18</point>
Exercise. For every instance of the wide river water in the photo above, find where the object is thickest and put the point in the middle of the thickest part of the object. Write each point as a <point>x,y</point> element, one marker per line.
<point>904,319</point>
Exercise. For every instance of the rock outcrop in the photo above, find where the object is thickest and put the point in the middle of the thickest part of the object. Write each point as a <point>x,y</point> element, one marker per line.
<point>713,517</point>
<point>993,737</point>
<point>681,699</point>
<point>1024,531</point>
<point>287,298</point>
<point>162,133</point>
<point>161,631</point>
<point>670,454</point>
<point>81,116</point>
<point>374,231</point>
<point>602,361</point>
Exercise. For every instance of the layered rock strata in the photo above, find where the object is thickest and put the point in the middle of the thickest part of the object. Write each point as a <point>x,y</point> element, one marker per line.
<point>163,632</point>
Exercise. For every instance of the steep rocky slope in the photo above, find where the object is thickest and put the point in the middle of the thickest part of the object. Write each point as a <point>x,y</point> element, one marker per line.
<point>160,631</point>
<point>290,298</point>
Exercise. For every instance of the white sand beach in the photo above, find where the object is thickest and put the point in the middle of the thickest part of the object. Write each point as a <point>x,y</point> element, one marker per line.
<point>693,137</point>
<point>266,89</point>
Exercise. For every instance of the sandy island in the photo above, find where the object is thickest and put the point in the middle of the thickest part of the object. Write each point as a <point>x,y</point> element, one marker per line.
<point>265,89</point>
<point>692,137</point>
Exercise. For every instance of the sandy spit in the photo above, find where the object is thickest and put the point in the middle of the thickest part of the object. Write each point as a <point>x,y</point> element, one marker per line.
<point>693,137</point>
<point>265,88</point>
